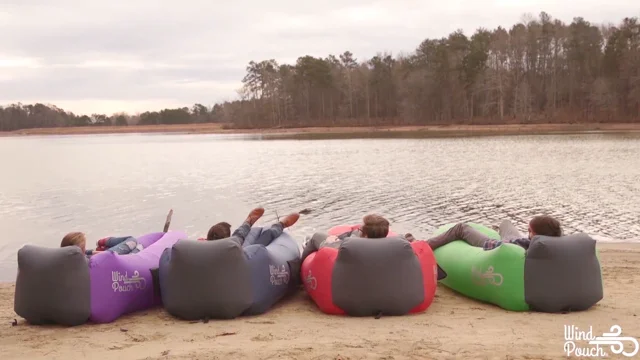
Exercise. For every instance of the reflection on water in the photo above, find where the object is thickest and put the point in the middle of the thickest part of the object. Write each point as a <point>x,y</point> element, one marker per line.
<point>125,184</point>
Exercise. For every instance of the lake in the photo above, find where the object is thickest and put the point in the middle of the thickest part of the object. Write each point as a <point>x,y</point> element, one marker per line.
<point>125,184</point>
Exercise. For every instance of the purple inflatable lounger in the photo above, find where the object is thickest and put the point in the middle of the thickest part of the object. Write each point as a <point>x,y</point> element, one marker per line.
<point>122,284</point>
<point>61,286</point>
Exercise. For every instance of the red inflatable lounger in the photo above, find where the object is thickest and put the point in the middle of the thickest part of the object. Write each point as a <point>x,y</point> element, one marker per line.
<point>369,277</point>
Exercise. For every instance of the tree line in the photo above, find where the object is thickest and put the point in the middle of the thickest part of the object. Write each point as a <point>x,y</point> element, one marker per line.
<point>541,70</point>
<point>19,116</point>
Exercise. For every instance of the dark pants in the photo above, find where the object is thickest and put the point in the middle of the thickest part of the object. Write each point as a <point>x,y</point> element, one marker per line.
<point>472,236</point>
<point>313,244</point>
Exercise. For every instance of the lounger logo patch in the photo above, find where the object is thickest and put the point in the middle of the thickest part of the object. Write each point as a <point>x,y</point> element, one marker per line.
<point>614,338</point>
<point>279,275</point>
<point>487,277</point>
<point>311,281</point>
<point>124,283</point>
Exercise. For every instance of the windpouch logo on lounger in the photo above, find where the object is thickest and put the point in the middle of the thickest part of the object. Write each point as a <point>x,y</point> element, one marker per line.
<point>488,277</point>
<point>124,283</point>
<point>279,275</point>
<point>576,341</point>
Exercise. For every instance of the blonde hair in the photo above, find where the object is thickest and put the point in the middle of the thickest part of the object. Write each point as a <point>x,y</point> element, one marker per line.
<point>74,239</point>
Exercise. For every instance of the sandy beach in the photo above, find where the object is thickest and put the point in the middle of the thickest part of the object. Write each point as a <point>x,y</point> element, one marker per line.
<point>434,130</point>
<point>453,327</point>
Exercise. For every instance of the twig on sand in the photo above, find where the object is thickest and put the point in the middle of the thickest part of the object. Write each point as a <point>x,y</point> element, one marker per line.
<point>167,222</point>
<point>226,334</point>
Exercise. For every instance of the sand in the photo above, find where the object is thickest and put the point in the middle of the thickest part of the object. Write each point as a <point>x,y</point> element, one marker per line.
<point>453,327</point>
<point>435,130</point>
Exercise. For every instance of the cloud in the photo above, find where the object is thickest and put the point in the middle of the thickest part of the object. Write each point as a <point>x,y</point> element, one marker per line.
<point>149,54</point>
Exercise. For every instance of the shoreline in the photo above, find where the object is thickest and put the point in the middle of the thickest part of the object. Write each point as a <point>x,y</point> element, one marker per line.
<point>427,130</point>
<point>452,327</point>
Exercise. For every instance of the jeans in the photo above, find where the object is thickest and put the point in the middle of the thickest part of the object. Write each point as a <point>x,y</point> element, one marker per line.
<point>122,245</point>
<point>270,234</point>
<point>472,236</point>
<point>241,233</point>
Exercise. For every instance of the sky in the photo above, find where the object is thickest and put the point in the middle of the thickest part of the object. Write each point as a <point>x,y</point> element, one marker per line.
<point>108,56</point>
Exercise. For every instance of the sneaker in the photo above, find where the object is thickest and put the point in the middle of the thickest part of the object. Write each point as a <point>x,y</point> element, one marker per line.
<point>102,242</point>
<point>290,220</point>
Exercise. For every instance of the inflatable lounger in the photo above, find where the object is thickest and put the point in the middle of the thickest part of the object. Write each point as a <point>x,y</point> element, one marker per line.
<point>62,286</point>
<point>222,280</point>
<point>369,277</point>
<point>555,274</point>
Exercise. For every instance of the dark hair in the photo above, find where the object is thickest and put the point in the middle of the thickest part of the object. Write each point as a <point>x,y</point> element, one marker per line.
<point>545,225</point>
<point>375,226</point>
<point>221,230</point>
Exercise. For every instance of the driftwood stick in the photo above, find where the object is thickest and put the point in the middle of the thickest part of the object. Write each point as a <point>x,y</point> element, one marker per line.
<point>167,223</point>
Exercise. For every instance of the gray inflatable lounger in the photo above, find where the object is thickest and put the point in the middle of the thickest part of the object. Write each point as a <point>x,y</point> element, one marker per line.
<point>370,277</point>
<point>223,280</point>
<point>53,286</point>
<point>555,274</point>
<point>562,274</point>
<point>62,286</point>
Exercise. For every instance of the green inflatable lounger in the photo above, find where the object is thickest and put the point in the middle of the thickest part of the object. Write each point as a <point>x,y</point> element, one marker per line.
<point>554,275</point>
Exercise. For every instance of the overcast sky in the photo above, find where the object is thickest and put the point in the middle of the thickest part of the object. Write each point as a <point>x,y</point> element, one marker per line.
<point>133,55</point>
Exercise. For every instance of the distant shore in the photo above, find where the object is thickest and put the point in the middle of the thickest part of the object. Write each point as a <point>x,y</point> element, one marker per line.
<point>426,131</point>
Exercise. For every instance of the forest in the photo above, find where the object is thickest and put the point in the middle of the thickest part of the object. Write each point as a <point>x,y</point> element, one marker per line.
<point>540,70</point>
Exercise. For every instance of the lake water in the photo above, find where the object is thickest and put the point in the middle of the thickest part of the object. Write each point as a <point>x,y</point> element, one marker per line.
<point>125,184</point>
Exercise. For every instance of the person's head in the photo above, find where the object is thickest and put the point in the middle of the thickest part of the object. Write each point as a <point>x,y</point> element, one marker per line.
<point>374,227</point>
<point>544,225</point>
<point>221,230</point>
<point>74,239</point>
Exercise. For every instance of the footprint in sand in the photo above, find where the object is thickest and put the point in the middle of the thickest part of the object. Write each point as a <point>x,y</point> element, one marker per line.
<point>120,347</point>
<point>268,337</point>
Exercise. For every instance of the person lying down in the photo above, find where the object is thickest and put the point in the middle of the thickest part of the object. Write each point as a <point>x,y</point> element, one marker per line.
<point>373,227</point>
<point>509,234</point>
<point>121,245</point>
<point>222,230</point>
